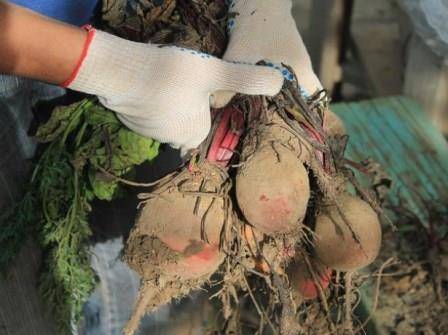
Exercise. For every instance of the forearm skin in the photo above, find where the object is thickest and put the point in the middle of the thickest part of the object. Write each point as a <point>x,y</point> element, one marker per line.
<point>37,47</point>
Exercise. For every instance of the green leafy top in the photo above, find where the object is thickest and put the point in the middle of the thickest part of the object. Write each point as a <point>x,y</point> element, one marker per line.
<point>87,148</point>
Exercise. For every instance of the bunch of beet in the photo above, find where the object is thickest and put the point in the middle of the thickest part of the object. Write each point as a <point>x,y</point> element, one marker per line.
<point>262,194</point>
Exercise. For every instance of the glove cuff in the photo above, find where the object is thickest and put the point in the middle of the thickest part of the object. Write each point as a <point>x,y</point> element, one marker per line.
<point>90,34</point>
<point>112,66</point>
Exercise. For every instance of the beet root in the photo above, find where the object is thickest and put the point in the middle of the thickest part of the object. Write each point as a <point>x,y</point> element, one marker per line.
<point>302,281</point>
<point>333,125</point>
<point>350,240</point>
<point>272,185</point>
<point>178,230</point>
<point>273,190</point>
<point>175,243</point>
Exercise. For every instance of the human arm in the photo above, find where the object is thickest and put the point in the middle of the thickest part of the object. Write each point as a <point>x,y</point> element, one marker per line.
<point>36,47</point>
<point>160,92</point>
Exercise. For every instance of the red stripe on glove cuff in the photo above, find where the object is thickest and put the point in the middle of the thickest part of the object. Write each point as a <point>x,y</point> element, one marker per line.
<point>90,35</point>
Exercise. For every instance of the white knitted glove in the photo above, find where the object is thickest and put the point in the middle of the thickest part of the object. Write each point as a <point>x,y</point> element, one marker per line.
<point>265,30</point>
<point>163,92</point>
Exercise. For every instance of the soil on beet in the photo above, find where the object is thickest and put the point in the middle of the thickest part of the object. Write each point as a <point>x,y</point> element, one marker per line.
<point>353,227</point>
<point>182,219</point>
<point>269,208</point>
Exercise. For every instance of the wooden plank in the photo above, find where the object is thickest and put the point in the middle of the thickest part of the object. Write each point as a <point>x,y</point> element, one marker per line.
<point>324,40</point>
<point>396,133</point>
<point>375,29</point>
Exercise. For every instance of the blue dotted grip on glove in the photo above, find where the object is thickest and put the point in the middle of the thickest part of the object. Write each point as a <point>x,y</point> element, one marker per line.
<point>76,12</point>
<point>288,76</point>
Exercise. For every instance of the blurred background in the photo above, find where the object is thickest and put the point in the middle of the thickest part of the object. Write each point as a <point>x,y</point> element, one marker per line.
<point>365,49</point>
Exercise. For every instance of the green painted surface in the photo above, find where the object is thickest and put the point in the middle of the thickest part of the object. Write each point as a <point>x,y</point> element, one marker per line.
<point>396,133</point>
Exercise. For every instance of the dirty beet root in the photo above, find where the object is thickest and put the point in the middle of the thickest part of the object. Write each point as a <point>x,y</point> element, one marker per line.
<point>348,234</point>
<point>272,185</point>
<point>303,283</point>
<point>175,243</point>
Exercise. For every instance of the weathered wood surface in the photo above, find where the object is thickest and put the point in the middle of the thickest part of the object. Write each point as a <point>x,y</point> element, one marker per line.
<point>376,35</point>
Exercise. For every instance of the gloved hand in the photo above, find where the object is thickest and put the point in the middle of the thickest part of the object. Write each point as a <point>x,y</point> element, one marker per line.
<point>163,92</point>
<point>265,30</point>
